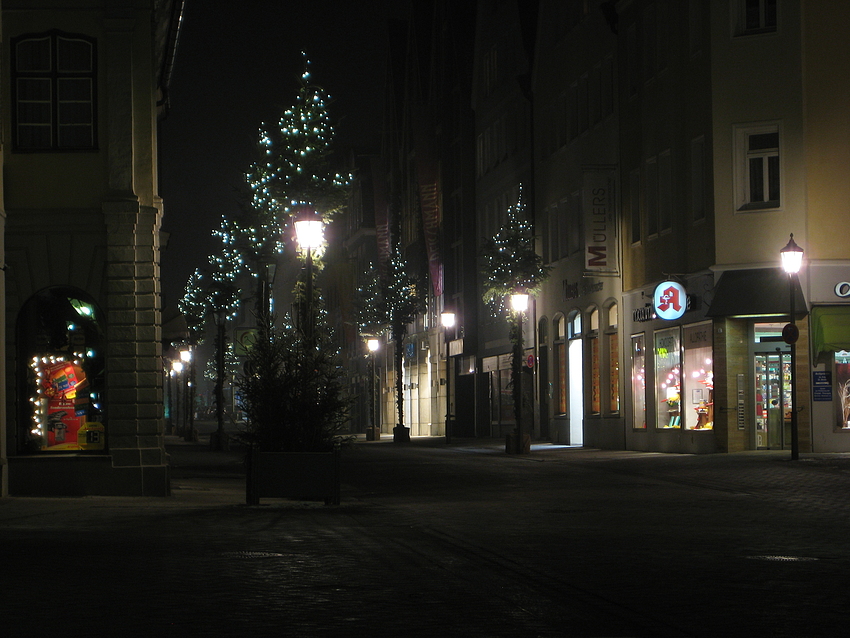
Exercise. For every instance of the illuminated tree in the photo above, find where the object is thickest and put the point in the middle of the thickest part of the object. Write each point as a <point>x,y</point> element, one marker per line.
<point>294,167</point>
<point>510,265</point>
<point>390,303</point>
<point>509,261</point>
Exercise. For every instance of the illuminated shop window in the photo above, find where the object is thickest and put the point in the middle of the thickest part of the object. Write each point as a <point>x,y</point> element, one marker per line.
<point>842,383</point>
<point>613,339</point>
<point>595,373</point>
<point>698,378</point>
<point>560,366</point>
<point>668,384</point>
<point>639,381</point>
<point>61,373</point>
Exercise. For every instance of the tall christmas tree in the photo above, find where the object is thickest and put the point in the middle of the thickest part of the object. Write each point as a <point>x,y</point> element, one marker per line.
<point>509,261</point>
<point>390,303</point>
<point>293,392</point>
<point>510,266</point>
<point>294,167</point>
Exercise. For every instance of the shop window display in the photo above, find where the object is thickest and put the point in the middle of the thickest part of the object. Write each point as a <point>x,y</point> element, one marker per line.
<point>595,372</point>
<point>842,382</point>
<point>561,366</point>
<point>61,359</point>
<point>639,381</point>
<point>668,383</point>
<point>613,361</point>
<point>698,377</point>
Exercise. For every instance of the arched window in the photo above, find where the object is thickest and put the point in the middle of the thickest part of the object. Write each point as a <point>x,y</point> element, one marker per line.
<point>574,331</point>
<point>560,352</point>
<point>61,372</point>
<point>595,367</point>
<point>613,343</point>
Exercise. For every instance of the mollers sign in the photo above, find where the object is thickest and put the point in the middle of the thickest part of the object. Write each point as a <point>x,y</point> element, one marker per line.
<point>598,198</point>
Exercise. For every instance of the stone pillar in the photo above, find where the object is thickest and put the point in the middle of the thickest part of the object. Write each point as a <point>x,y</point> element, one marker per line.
<point>133,375</point>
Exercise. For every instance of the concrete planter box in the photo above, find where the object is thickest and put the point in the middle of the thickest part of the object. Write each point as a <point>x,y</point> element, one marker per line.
<point>305,477</point>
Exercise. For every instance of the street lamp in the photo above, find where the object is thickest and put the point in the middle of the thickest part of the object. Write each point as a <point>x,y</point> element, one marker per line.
<point>447,318</point>
<point>792,261</point>
<point>189,419</point>
<point>373,433</point>
<point>309,233</point>
<point>176,371</point>
<point>519,304</point>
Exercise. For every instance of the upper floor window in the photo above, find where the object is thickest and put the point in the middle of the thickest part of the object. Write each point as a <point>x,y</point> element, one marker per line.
<point>755,16</point>
<point>757,167</point>
<point>54,92</point>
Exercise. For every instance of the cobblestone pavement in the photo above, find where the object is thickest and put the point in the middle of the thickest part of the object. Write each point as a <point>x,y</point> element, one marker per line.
<point>453,540</point>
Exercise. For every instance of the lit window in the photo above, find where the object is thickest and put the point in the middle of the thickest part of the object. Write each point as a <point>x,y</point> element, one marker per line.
<point>613,360</point>
<point>668,385</point>
<point>595,373</point>
<point>639,382</point>
<point>54,91</point>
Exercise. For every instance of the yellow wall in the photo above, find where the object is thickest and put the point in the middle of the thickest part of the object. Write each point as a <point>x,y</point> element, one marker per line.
<point>826,67</point>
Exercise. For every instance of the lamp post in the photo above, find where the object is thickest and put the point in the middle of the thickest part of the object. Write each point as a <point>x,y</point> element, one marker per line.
<point>309,233</point>
<point>373,433</point>
<point>176,371</point>
<point>189,418</point>
<point>447,318</point>
<point>519,304</point>
<point>792,261</point>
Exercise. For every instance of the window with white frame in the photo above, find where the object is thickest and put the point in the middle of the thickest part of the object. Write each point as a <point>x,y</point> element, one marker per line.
<point>54,92</point>
<point>595,363</point>
<point>757,167</point>
<point>754,16</point>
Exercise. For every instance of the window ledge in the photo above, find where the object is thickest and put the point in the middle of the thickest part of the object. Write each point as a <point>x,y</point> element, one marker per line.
<point>759,206</point>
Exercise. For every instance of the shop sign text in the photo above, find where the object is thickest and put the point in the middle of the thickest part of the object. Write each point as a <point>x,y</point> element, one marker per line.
<point>575,290</point>
<point>598,202</point>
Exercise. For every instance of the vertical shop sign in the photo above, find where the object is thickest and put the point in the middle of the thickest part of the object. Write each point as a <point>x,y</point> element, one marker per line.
<point>598,197</point>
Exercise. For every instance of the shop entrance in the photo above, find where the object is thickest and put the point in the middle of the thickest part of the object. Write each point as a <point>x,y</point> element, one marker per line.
<point>576,393</point>
<point>773,399</point>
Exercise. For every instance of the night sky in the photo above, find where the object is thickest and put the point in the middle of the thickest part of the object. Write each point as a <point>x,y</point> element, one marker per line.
<point>238,65</point>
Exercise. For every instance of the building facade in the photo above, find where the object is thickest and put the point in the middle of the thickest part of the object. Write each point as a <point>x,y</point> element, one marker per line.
<point>666,152</point>
<point>84,85</point>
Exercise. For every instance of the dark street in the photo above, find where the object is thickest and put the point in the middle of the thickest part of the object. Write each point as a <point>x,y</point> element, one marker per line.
<point>447,540</point>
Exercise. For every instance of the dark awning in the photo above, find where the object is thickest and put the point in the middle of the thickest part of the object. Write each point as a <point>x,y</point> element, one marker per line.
<point>756,292</point>
<point>830,329</point>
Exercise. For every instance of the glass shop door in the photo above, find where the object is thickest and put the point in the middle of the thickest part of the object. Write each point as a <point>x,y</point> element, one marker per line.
<point>773,400</point>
